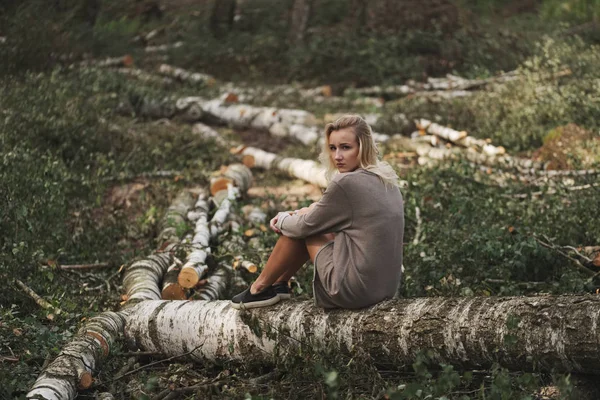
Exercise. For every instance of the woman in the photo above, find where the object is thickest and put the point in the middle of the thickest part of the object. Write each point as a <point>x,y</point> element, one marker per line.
<point>353,235</point>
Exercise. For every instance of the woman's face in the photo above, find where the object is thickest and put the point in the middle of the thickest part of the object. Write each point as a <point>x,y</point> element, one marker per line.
<point>343,150</point>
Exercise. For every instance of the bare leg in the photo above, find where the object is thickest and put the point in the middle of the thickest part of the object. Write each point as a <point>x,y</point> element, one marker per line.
<point>288,256</point>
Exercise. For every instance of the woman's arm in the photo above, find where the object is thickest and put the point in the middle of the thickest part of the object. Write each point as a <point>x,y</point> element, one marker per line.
<point>330,214</point>
<point>302,211</point>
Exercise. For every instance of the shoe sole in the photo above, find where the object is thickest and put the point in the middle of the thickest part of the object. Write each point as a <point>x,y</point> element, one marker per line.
<point>256,304</point>
<point>284,296</point>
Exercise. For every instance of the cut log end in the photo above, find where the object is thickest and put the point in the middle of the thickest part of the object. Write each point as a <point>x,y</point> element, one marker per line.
<point>237,149</point>
<point>188,278</point>
<point>218,184</point>
<point>128,60</point>
<point>85,380</point>
<point>173,292</point>
<point>248,161</point>
<point>101,340</point>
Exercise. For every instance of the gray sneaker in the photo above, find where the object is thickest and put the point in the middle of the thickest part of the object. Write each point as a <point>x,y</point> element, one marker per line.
<point>246,299</point>
<point>283,290</point>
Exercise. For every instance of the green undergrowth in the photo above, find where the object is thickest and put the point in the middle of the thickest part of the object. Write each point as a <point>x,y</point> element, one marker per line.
<point>480,239</point>
<point>557,85</point>
<point>80,180</point>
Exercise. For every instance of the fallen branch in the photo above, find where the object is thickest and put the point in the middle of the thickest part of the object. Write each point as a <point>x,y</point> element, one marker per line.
<point>86,266</point>
<point>576,263</point>
<point>38,299</point>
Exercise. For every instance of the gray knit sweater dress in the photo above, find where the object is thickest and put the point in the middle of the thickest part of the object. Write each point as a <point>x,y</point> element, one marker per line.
<point>363,265</point>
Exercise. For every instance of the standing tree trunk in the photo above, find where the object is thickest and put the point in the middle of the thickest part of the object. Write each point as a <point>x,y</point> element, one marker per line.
<point>300,15</point>
<point>221,17</point>
<point>550,333</point>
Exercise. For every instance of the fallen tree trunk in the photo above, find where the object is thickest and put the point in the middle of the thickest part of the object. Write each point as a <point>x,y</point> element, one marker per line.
<point>72,369</point>
<point>460,138</point>
<point>186,76</point>
<point>174,220</point>
<point>141,279</point>
<point>145,77</point>
<point>553,333</point>
<point>195,265</point>
<point>308,170</point>
<point>299,124</point>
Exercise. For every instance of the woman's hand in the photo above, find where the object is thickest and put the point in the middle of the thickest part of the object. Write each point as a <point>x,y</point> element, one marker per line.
<point>272,224</point>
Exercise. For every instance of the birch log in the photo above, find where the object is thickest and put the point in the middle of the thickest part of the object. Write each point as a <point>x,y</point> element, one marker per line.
<point>195,266</point>
<point>186,76</point>
<point>308,170</point>
<point>556,333</point>
<point>143,76</point>
<point>238,175</point>
<point>171,289</point>
<point>216,285</point>
<point>299,124</point>
<point>142,278</point>
<point>208,133</point>
<point>174,220</point>
<point>163,47</point>
<point>124,61</point>
<point>460,138</point>
<point>73,367</point>
<point>448,83</point>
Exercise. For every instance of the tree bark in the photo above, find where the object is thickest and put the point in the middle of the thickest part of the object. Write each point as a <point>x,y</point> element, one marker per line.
<point>300,14</point>
<point>174,220</point>
<point>221,17</point>
<point>195,265</point>
<point>142,278</point>
<point>460,138</point>
<point>308,170</point>
<point>72,369</point>
<point>186,76</point>
<point>299,124</point>
<point>550,333</point>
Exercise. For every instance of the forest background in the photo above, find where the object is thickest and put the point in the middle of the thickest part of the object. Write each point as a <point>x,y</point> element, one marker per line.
<point>80,179</point>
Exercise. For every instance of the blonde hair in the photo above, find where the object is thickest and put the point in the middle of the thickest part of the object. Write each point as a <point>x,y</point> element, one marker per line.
<point>367,149</point>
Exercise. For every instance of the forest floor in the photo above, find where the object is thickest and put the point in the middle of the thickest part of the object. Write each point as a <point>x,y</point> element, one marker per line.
<point>103,160</point>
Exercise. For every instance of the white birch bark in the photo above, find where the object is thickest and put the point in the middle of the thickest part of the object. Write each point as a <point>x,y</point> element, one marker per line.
<point>308,170</point>
<point>450,83</point>
<point>174,221</point>
<point>216,285</point>
<point>460,138</point>
<point>145,77</point>
<point>186,76</point>
<point>299,124</point>
<point>142,278</point>
<point>123,61</point>
<point>208,133</point>
<point>446,133</point>
<point>557,333</point>
<point>238,175</point>
<point>195,266</point>
<point>171,289</point>
<point>73,367</point>
<point>163,47</point>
